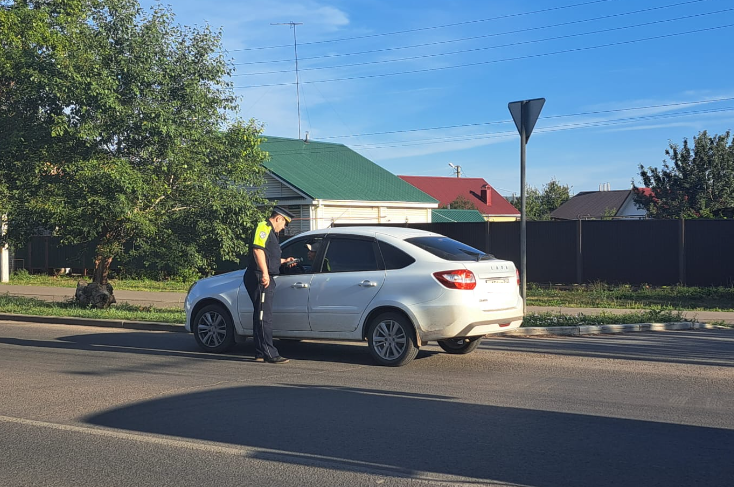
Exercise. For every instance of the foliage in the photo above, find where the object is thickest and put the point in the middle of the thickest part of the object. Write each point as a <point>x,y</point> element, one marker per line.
<point>116,131</point>
<point>602,295</point>
<point>698,184</point>
<point>540,204</point>
<point>461,203</point>
<point>580,319</point>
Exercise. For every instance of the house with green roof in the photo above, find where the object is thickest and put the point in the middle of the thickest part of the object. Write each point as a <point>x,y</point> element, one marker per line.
<point>443,215</point>
<point>324,183</point>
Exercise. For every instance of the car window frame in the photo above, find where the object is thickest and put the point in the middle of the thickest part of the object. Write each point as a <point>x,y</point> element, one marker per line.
<point>302,241</point>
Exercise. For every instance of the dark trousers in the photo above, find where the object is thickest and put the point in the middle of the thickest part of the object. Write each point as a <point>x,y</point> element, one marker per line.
<point>262,314</point>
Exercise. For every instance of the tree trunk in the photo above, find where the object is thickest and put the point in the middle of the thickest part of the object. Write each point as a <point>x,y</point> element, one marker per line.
<point>101,269</point>
<point>99,292</point>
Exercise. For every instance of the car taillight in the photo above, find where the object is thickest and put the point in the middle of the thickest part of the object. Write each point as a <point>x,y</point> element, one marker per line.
<point>517,273</point>
<point>458,279</point>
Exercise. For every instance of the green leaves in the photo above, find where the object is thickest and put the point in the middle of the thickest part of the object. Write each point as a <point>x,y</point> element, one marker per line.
<point>539,204</point>
<point>698,184</point>
<point>116,130</point>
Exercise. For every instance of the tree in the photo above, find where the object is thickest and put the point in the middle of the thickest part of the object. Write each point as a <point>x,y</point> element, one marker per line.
<point>119,133</point>
<point>540,204</point>
<point>698,184</point>
<point>461,203</point>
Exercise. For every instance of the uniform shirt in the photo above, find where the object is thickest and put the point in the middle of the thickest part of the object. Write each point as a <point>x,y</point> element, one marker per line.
<point>266,239</point>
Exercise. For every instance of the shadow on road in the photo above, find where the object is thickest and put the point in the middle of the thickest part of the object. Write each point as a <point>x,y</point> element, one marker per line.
<point>401,435</point>
<point>183,345</point>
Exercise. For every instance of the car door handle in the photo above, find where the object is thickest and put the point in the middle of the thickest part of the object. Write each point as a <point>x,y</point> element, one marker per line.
<point>300,285</point>
<point>367,283</point>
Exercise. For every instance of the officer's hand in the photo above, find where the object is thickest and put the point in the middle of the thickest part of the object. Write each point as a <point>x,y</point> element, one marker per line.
<point>265,280</point>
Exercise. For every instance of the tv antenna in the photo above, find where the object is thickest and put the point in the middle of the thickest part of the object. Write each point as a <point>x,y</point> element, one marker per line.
<point>295,50</point>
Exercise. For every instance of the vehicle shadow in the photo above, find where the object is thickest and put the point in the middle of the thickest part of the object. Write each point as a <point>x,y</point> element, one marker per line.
<point>704,347</point>
<point>183,346</point>
<point>416,436</point>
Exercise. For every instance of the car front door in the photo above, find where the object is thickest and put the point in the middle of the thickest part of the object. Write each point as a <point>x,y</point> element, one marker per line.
<point>349,280</point>
<point>290,303</point>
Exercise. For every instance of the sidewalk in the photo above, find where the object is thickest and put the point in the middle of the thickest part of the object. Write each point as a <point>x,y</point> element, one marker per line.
<point>160,299</point>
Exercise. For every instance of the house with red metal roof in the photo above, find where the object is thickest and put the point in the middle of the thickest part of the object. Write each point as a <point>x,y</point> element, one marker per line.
<point>484,197</point>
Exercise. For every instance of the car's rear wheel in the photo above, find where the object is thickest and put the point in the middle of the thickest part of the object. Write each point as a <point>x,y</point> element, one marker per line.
<point>213,329</point>
<point>459,345</point>
<point>391,341</point>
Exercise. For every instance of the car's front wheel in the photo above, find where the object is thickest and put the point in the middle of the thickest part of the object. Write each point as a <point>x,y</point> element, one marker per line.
<point>459,345</point>
<point>390,340</point>
<point>213,329</point>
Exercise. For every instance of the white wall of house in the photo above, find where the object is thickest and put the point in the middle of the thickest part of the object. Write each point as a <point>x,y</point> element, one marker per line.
<point>323,214</point>
<point>317,214</point>
<point>369,213</point>
<point>630,210</point>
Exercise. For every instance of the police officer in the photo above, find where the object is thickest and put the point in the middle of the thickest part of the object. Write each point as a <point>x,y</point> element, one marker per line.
<point>264,265</point>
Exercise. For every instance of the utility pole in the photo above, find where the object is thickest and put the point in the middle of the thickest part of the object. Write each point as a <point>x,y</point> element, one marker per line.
<point>456,169</point>
<point>295,50</point>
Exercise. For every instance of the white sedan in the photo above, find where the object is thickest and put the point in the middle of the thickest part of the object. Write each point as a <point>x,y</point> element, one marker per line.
<point>396,288</point>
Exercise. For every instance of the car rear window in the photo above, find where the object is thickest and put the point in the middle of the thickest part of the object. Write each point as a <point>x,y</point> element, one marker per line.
<point>449,249</point>
<point>394,258</point>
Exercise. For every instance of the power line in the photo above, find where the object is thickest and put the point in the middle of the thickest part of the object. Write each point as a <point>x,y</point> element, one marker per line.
<point>549,117</point>
<point>513,133</point>
<point>516,58</point>
<point>513,44</point>
<point>497,34</point>
<point>420,29</point>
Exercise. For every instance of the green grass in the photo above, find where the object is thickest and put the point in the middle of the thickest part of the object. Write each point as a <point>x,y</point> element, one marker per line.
<point>601,295</point>
<point>26,279</point>
<point>32,306</point>
<point>557,319</point>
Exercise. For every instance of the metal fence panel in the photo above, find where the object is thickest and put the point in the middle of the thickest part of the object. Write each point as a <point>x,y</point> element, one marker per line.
<point>709,258</point>
<point>614,251</point>
<point>634,252</point>
<point>552,250</point>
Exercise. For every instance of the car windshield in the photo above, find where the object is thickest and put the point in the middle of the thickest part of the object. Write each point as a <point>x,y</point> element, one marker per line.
<point>449,249</point>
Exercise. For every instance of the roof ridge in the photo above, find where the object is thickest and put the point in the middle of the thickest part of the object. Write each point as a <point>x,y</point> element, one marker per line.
<point>275,138</point>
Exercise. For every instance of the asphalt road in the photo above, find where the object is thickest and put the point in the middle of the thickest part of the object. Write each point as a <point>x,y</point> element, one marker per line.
<point>83,406</point>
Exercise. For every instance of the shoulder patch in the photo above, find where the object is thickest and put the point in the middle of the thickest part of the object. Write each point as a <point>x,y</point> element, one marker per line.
<point>261,235</point>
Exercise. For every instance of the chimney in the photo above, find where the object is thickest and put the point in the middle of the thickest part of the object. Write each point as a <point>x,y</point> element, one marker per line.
<point>486,195</point>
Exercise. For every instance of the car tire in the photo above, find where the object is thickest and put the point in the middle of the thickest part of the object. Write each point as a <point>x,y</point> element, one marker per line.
<point>213,329</point>
<point>459,345</point>
<point>391,340</point>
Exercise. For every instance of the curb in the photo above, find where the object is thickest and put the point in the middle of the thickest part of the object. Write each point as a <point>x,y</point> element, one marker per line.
<point>64,320</point>
<point>584,330</point>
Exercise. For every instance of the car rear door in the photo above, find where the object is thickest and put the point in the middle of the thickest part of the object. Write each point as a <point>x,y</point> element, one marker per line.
<point>350,278</point>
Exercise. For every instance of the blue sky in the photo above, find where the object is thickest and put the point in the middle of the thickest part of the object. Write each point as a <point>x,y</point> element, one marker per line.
<point>414,86</point>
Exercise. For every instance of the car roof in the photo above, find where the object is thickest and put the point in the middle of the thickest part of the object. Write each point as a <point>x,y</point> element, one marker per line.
<point>401,233</point>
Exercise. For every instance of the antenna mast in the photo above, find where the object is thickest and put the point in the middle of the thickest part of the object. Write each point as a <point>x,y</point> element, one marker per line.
<point>295,50</point>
